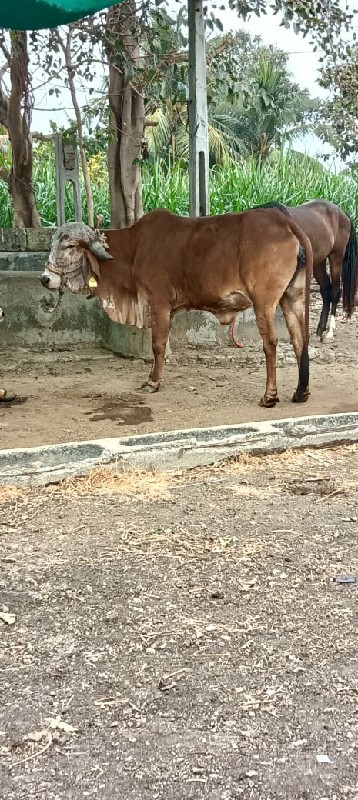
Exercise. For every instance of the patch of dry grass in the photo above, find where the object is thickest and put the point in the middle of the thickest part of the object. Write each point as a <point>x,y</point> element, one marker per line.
<point>151,485</point>
<point>9,493</point>
<point>155,485</point>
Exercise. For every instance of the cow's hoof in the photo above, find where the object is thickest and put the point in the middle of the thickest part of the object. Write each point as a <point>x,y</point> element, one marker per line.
<point>150,388</point>
<point>7,397</point>
<point>301,397</point>
<point>269,402</point>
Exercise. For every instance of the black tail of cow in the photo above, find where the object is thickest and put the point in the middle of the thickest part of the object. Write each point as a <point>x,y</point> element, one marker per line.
<point>303,374</point>
<point>350,272</point>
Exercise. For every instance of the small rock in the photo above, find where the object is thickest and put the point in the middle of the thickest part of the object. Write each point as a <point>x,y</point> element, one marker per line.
<point>322,758</point>
<point>216,594</point>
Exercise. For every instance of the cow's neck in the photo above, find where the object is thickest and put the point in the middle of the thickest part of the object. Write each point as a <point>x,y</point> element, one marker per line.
<point>117,289</point>
<point>119,269</point>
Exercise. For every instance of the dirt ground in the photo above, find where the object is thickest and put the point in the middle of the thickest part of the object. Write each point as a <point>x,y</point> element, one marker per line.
<point>88,393</point>
<point>183,636</point>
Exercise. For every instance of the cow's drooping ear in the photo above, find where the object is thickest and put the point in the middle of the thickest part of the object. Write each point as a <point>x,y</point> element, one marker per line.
<point>94,265</point>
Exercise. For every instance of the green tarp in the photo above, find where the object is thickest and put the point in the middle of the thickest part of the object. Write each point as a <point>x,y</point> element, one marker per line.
<point>30,15</point>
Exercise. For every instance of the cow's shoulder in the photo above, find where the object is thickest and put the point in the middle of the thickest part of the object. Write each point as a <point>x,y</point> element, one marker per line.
<point>156,216</point>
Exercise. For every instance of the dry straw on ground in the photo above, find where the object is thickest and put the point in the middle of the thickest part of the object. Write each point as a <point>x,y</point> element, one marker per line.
<point>155,485</point>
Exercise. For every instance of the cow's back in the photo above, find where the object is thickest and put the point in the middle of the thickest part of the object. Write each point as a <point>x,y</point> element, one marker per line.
<point>188,262</point>
<point>320,220</point>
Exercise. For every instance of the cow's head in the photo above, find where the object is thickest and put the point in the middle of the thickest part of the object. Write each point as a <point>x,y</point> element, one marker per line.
<point>76,251</point>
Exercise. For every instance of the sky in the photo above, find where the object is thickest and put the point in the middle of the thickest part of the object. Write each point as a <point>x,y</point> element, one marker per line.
<point>303,61</point>
<point>303,64</point>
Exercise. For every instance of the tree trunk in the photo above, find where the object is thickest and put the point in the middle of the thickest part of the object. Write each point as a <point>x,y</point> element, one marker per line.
<point>18,120</point>
<point>127,120</point>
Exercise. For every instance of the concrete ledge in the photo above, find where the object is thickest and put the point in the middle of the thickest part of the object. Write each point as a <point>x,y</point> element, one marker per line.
<point>173,450</point>
<point>32,319</point>
<point>23,262</point>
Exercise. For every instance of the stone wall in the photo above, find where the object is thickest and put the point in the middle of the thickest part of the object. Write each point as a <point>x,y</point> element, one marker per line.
<point>24,250</point>
<point>30,319</point>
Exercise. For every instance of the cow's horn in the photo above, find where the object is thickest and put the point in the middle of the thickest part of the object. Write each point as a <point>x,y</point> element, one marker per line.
<point>98,250</point>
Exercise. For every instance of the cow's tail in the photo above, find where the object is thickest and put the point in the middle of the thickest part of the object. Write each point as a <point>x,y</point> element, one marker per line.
<point>304,260</point>
<point>350,272</point>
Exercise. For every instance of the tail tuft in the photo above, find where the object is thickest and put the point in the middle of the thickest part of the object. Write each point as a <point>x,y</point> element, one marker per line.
<point>302,392</point>
<point>350,272</point>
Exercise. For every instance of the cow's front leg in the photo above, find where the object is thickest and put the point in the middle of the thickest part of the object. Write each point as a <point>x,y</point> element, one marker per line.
<point>160,334</point>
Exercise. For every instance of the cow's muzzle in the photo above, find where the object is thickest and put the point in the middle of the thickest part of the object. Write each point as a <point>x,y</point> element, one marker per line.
<point>45,280</point>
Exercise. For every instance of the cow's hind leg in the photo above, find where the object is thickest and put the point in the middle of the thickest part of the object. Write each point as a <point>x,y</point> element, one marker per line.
<point>335,264</point>
<point>160,333</point>
<point>293,306</point>
<point>265,318</point>
<point>325,287</point>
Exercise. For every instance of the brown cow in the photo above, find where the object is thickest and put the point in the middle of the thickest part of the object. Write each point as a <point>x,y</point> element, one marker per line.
<point>332,235</point>
<point>222,264</point>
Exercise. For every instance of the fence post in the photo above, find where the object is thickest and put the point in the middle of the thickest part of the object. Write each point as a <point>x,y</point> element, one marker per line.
<point>67,169</point>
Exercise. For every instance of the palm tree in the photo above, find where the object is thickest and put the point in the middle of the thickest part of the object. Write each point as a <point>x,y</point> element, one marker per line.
<point>261,110</point>
<point>276,109</point>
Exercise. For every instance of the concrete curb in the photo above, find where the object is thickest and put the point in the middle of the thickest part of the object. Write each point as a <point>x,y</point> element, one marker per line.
<point>185,449</point>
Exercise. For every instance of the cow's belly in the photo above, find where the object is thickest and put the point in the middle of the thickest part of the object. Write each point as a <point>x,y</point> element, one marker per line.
<point>227,307</point>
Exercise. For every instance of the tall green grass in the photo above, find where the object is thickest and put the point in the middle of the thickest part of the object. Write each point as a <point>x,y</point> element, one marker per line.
<point>164,187</point>
<point>286,178</point>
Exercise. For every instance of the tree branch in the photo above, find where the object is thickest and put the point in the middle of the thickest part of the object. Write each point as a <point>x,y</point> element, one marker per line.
<point>42,137</point>
<point>3,69</point>
<point>5,51</point>
<point>4,108</point>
